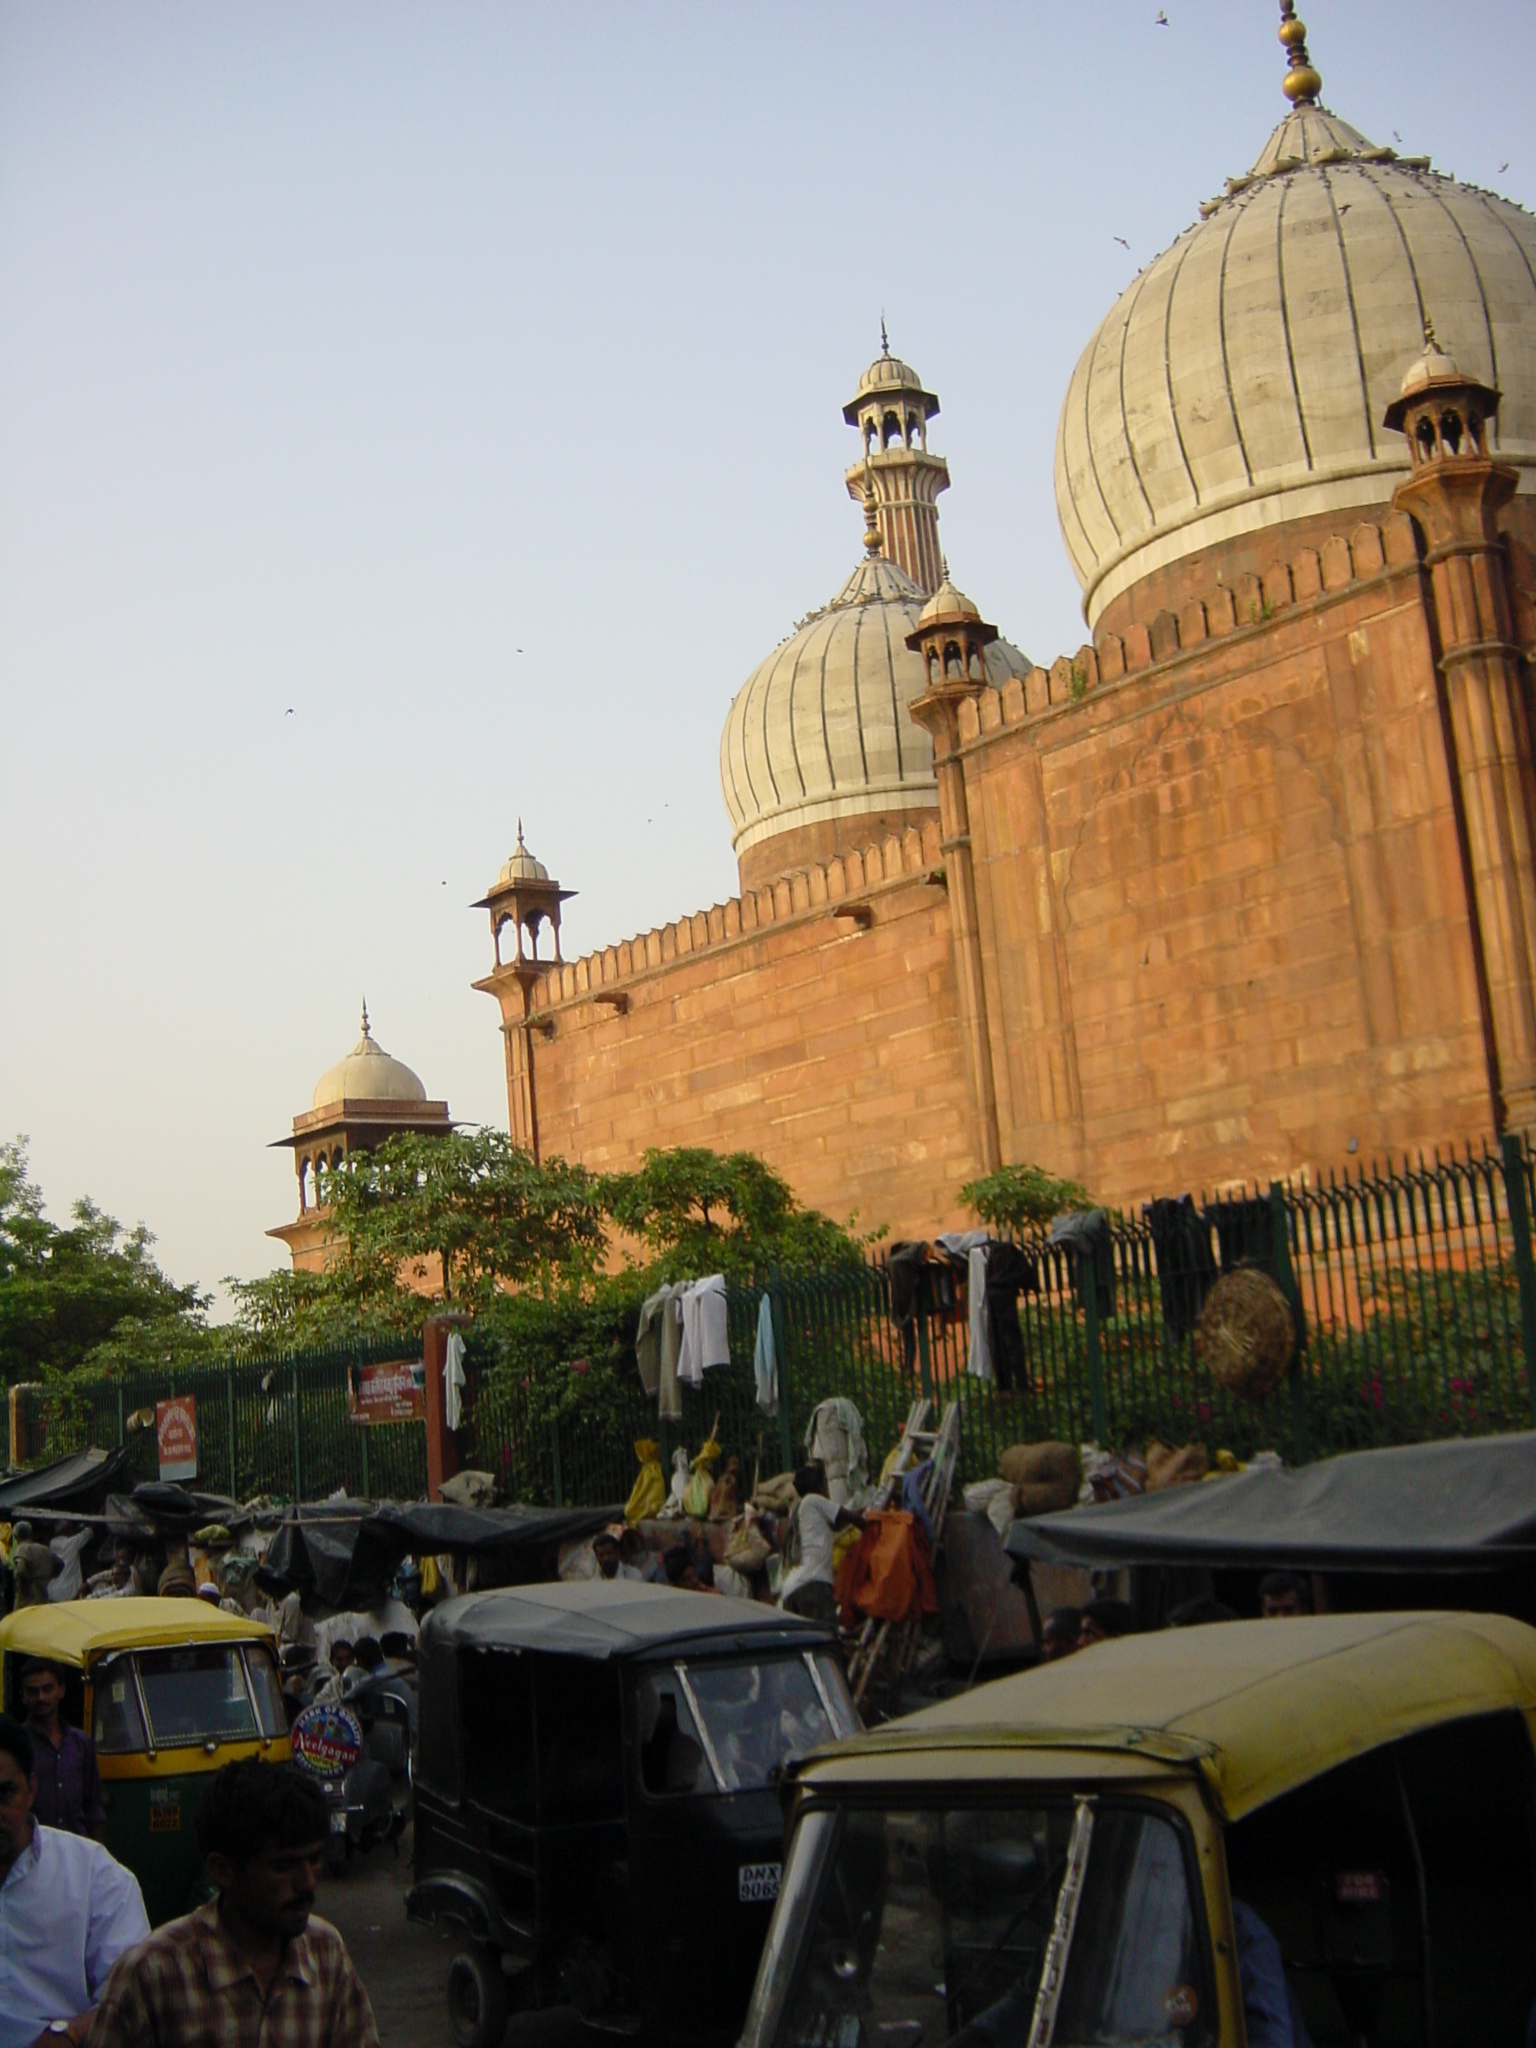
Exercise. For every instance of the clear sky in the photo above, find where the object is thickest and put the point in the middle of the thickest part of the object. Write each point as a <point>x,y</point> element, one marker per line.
<point>468,380</point>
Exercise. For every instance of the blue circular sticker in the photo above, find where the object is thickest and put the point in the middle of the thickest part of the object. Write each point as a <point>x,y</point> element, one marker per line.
<point>327,1740</point>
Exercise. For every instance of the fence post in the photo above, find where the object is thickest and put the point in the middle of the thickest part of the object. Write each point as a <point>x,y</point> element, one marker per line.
<point>1095,1357</point>
<point>229,1416</point>
<point>924,1358</point>
<point>298,1462</point>
<point>781,1363</point>
<point>1513,1147</point>
<point>1285,1276</point>
<point>554,1459</point>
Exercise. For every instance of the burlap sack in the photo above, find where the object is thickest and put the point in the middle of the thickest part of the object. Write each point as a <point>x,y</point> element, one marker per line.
<point>1046,1475</point>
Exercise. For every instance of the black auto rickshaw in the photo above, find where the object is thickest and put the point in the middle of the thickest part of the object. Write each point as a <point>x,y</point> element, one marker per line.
<point>596,1797</point>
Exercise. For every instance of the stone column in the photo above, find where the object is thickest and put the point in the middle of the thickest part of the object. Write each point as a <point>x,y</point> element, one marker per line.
<point>1455,493</point>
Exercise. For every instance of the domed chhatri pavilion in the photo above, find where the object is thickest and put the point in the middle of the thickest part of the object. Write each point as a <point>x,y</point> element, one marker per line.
<point>356,1104</point>
<point>1243,884</point>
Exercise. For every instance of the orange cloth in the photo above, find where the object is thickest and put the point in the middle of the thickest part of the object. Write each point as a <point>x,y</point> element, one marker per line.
<point>888,1575</point>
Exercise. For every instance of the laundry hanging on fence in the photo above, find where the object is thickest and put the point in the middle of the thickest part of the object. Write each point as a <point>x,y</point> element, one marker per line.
<point>1084,1236</point>
<point>765,1363</point>
<point>979,1358</point>
<point>925,1282</point>
<point>705,1339</point>
<point>453,1381</point>
<point>834,1439</point>
<point>1010,1271</point>
<point>1186,1269</point>
<point>658,1342</point>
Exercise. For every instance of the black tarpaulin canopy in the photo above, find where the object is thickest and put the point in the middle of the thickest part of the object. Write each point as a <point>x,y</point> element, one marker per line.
<point>348,1551</point>
<point>1465,1504</point>
<point>604,1618</point>
<point>80,1482</point>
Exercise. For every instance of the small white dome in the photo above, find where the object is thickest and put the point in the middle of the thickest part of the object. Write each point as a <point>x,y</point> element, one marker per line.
<point>520,865</point>
<point>821,729</point>
<point>367,1074</point>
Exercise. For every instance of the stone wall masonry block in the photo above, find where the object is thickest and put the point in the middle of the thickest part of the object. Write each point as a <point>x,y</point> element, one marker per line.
<point>967,721</point>
<point>1138,648</point>
<point>1366,550</point>
<point>731,918</point>
<point>1013,701</point>
<point>1111,657</point>
<point>989,710</point>
<point>1037,691</point>
<point>1163,636</point>
<point>1087,662</point>
<point>799,893</point>
<point>1249,600</point>
<point>816,882</point>
<point>890,858</point>
<point>1307,575</point>
<point>583,977</point>
<point>1061,680</point>
<point>1192,623</point>
<point>1338,565</point>
<point>837,881</point>
<point>933,844</point>
<point>782,901</point>
<point>853,868</point>
<point>911,851</point>
<point>1277,586</point>
<point>1220,611</point>
<point>716,924</point>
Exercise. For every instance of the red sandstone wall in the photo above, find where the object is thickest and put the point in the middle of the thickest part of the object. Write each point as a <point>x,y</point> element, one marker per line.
<point>1222,909</point>
<point>771,1025</point>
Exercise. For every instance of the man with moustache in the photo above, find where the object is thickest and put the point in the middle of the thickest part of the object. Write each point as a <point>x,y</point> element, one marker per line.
<point>251,1969</point>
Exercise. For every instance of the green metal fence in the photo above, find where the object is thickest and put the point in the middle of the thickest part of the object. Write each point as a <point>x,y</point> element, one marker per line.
<point>278,1426</point>
<point>1414,1286</point>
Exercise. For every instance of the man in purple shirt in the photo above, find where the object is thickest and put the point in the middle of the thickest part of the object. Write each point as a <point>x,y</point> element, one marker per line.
<point>68,1792</point>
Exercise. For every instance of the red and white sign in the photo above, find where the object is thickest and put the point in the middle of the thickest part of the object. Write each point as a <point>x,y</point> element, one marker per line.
<point>176,1436</point>
<point>394,1392</point>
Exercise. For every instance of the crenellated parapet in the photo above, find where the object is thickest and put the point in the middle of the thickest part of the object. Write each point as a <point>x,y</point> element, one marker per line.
<point>857,880</point>
<point>1341,563</point>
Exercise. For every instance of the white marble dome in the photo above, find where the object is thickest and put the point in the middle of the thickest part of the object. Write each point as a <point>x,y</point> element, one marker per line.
<point>820,730</point>
<point>367,1074</point>
<point>1242,380</point>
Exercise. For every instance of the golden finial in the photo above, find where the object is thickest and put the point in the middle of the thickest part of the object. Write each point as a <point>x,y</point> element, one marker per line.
<point>366,1032</point>
<point>873,544</point>
<point>1431,344</point>
<point>1301,84</point>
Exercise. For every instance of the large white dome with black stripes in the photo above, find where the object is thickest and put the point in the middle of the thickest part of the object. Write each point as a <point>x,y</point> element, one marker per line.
<point>1242,380</point>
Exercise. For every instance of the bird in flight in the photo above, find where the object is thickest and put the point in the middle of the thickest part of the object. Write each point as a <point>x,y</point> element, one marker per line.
<point>289,712</point>
<point>1162,19</point>
<point>1395,136</point>
<point>1503,167</point>
<point>1125,245</point>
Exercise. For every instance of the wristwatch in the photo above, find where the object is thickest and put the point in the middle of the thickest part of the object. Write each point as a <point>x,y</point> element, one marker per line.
<point>64,2027</point>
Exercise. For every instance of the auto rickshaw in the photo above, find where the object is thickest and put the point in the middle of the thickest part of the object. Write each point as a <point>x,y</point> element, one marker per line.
<point>169,1690</point>
<point>1124,1846</point>
<point>595,1799</point>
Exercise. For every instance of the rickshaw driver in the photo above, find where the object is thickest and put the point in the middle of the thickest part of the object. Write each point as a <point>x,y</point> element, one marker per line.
<point>67,1790</point>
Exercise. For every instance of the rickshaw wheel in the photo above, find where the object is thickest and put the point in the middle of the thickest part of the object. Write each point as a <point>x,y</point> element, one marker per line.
<point>477,1998</point>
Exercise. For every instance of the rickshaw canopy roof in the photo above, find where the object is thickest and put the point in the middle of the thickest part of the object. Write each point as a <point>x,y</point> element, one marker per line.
<point>78,1631</point>
<point>1257,1707</point>
<point>609,1618</point>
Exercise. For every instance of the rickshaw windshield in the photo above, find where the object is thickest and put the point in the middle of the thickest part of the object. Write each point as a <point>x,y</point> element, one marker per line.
<point>730,1726</point>
<point>196,1694</point>
<point>925,1926</point>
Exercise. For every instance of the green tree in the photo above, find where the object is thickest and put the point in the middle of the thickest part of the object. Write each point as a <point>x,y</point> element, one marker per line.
<point>1022,1198</point>
<point>89,1294</point>
<point>695,1211</point>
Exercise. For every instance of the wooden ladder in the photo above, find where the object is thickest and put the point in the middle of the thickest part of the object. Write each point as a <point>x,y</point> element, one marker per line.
<point>941,1447</point>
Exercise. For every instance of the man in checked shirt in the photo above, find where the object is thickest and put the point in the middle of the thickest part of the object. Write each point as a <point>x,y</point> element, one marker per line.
<point>251,1969</point>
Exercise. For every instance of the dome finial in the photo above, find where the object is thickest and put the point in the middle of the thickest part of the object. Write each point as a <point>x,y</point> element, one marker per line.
<point>885,339</point>
<point>366,1032</point>
<point>874,544</point>
<point>1301,84</point>
<point>1431,342</point>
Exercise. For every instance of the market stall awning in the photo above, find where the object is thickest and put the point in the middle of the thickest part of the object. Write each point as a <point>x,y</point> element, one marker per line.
<point>348,1552</point>
<point>1461,1505</point>
<point>80,1482</point>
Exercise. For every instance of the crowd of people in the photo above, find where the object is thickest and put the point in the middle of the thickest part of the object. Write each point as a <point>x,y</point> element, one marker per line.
<point>1066,1630</point>
<point>79,1963</point>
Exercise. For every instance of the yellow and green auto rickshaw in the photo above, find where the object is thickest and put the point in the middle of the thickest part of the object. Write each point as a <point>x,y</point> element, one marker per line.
<point>1334,1817</point>
<point>170,1690</point>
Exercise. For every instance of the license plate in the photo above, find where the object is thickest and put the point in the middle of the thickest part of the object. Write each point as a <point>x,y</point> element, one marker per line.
<point>338,1823</point>
<point>164,1819</point>
<point>758,1882</point>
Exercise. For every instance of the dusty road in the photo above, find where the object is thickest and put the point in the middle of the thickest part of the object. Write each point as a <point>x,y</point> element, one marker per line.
<point>403,1965</point>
